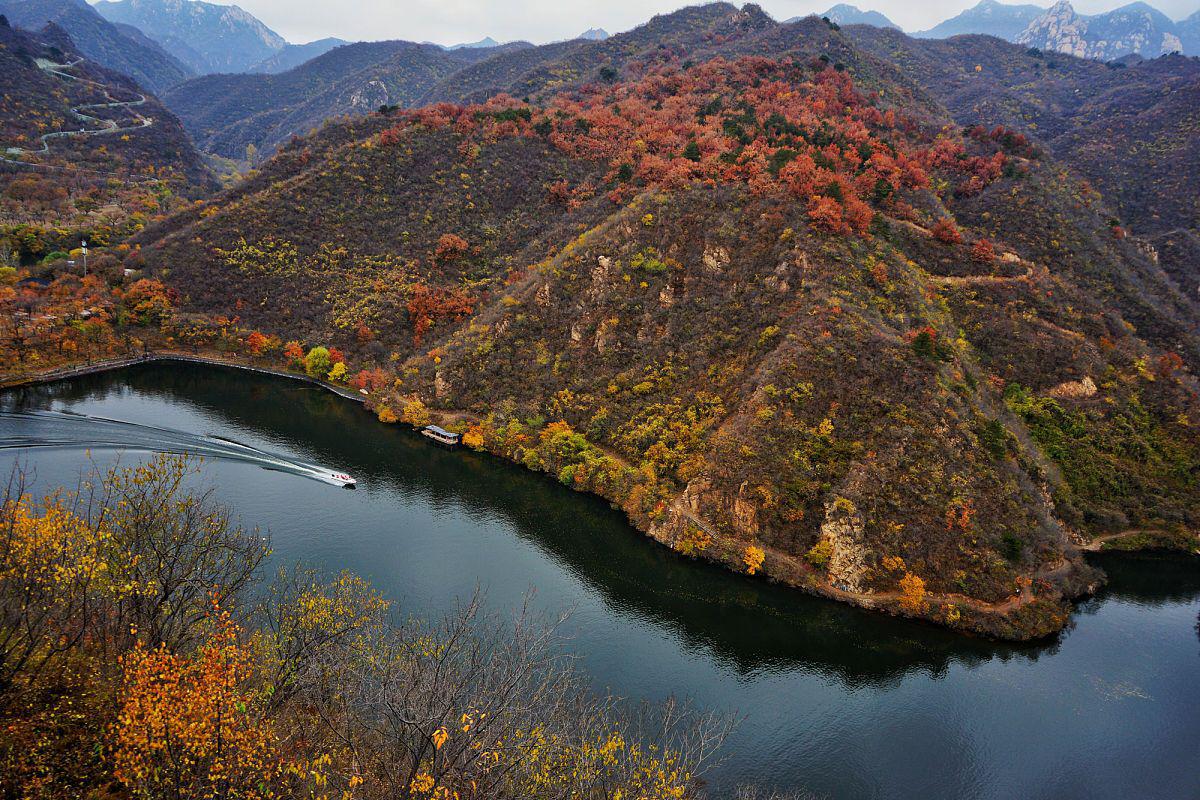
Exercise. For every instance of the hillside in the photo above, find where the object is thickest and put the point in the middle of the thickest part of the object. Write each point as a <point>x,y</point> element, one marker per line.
<point>227,113</point>
<point>206,37</point>
<point>134,156</point>
<point>690,33</point>
<point>758,295</point>
<point>1130,130</point>
<point>100,40</point>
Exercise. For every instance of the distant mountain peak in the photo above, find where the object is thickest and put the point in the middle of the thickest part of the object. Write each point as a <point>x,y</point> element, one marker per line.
<point>594,34</point>
<point>988,17</point>
<point>208,37</point>
<point>486,41</point>
<point>846,14</point>
<point>1134,28</point>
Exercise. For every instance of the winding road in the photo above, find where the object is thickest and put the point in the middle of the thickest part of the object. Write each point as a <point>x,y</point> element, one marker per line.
<point>107,127</point>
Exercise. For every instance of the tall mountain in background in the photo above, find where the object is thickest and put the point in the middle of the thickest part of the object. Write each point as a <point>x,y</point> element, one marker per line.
<point>293,55</point>
<point>226,113</point>
<point>594,34</point>
<point>206,37</point>
<point>843,14</point>
<point>1133,29</point>
<point>989,17</point>
<point>485,42</point>
<point>101,40</point>
<point>1189,34</point>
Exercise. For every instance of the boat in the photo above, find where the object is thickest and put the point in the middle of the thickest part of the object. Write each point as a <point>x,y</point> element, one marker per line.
<point>343,479</point>
<point>442,436</point>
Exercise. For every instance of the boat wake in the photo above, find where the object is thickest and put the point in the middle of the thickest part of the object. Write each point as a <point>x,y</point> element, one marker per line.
<point>68,430</point>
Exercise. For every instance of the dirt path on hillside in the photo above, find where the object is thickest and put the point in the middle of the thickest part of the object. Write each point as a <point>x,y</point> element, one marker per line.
<point>107,127</point>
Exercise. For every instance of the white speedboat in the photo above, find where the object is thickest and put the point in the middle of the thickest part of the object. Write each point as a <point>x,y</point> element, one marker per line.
<point>343,480</point>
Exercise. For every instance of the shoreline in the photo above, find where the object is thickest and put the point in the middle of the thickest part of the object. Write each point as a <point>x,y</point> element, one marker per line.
<point>111,365</point>
<point>878,602</point>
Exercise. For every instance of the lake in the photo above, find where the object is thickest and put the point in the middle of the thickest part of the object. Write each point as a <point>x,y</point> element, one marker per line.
<point>836,701</point>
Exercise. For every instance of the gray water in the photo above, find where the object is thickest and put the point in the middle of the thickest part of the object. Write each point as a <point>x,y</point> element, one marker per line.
<point>839,702</point>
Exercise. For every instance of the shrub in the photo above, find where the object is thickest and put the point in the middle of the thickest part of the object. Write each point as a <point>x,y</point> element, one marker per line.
<point>945,231</point>
<point>820,553</point>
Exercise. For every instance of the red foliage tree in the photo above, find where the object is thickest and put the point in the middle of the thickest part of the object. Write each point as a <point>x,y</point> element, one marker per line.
<point>983,252</point>
<point>293,353</point>
<point>427,306</point>
<point>945,231</point>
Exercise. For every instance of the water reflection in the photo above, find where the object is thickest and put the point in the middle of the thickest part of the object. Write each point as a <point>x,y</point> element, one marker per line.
<point>748,626</point>
<point>839,702</point>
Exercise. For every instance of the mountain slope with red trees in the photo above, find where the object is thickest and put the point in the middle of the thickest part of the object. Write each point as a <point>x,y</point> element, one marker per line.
<point>780,309</point>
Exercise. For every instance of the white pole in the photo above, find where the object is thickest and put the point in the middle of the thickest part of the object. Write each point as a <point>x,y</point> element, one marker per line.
<point>84,246</point>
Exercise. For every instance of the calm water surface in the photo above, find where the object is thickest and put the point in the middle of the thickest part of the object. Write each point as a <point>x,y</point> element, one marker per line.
<point>838,702</point>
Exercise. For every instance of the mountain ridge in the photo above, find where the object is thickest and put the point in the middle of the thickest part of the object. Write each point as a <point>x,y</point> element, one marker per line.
<point>209,38</point>
<point>100,40</point>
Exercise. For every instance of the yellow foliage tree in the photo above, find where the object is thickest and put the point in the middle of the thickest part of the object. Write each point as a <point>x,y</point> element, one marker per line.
<point>387,416</point>
<point>474,437</point>
<point>753,558</point>
<point>912,592</point>
<point>415,413</point>
<point>693,541</point>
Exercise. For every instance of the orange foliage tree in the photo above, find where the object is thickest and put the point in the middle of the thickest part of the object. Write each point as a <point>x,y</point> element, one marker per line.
<point>194,725</point>
<point>450,247</point>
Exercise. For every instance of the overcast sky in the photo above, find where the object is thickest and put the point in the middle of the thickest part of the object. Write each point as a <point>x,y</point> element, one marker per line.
<point>539,21</point>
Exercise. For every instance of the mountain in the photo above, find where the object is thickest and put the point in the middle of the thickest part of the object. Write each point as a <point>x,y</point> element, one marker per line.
<point>989,17</point>
<point>1135,28</point>
<point>692,32</point>
<point>485,42</point>
<point>843,14</point>
<point>293,55</point>
<point>100,40</point>
<point>759,287</point>
<point>205,36</point>
<point>1189,34</point>
<point>594,34</point>
<point>226,113</point>
<point>1122,127</point>
<point>135,153</point>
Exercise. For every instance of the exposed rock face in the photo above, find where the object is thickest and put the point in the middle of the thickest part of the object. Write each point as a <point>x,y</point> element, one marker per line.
<point>1136,28</point>
<point>716,259</point>
<point>1075,390</point>
<point>1060,29</point>
<point>371,95</point>
<point>843,528</point>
